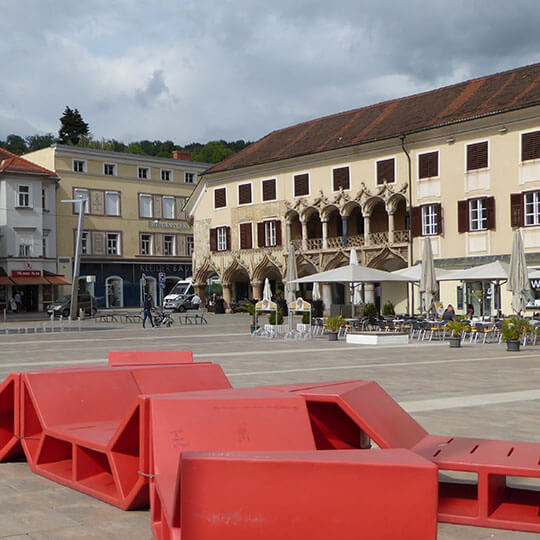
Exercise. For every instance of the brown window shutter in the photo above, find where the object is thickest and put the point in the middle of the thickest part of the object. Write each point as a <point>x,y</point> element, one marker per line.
<point>301,185</point>
<point>260,234</point>
<point>228,238</point>
<point>516,210</point>
<point>278,232</point>
<point>269,190</point>
<point>428,165</point>
<point>213,239</point>
<point>244,194</point>
<point>438,209</point>
<point>490,213</point>
<point>463,216</point>
<point>245,236</point>
<point>477,156</point>
<point>530,146</point>
<point>416,221</point>
<point>220,198</point>
<point>341,178</point>
<point>385,171</point>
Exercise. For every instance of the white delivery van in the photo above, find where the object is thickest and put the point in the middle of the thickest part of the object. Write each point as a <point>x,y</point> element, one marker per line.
<point>179,297</point>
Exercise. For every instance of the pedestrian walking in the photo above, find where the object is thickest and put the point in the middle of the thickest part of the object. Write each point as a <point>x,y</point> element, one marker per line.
<point>147,311</point>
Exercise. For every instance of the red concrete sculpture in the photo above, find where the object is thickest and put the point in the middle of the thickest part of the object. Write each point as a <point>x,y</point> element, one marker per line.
<point>149,358</point>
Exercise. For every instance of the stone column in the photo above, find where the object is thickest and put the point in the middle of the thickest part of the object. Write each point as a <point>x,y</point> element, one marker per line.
<point>304,235</point>
<point>367,228</point>
<point>200,289</point>
<point>287,233</point>
<point>390,227</point>
<point>257,287</point>
<point>326,292</point>
<point>227,296</point>
<point>324,234</point>
<point>369,290</point>
<point>345,223</point>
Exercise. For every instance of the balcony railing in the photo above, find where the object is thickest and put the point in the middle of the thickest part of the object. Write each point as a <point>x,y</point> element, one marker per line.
<point>376,240</point>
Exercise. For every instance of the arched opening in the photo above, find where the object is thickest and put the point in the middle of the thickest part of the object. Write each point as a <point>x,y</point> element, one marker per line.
<point>240,285</point>
<point>356,222</point>
<point>114,292</point>
<point>379,218</point>
<point>335,224</point>
<point>296,226</point>
<point>401,216</point>
<point>148,286</point>
<point>314,226</point>
<point>305,268</point>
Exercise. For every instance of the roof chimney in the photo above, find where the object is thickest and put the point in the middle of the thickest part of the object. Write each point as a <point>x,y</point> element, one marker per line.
<point>186,156</point>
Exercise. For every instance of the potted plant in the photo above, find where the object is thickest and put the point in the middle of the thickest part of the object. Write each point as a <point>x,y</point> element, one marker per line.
<point>513,329</point>
<point>333,324</point>
<point>370,310</point>
<point>388,309</point>
<point>456,330</point>
<point>249,307</point>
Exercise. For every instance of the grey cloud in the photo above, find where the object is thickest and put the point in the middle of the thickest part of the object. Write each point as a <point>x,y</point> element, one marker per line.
<point>153,89</point>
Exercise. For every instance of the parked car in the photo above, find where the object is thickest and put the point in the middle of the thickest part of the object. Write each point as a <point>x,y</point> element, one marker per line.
<point>62,306</point>
<point>178,302</point>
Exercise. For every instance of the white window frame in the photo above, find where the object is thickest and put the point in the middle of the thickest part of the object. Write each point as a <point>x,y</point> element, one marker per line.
<point>86,193</point>
<point>24,196</point>
<point>79,166</point>
<point>172,244</point>
<point>107,281</point>
<point>190,178</point>
<point>25,249</point>
<point>113,239</point>
<point>394,157</point>
<point>270,237</point>
<point>190,244</point>
<point>429,220</point>
<point>146,196</point>
<point>478,214</point>
<point>44,247</point>
<point>149,248</point>
<point>85,243</point>
<point>531,208</point>
<point>345,166</point>
<point>238,193</point>
<point>276,184</point>
<point>470,143</point>
<point>109,194</point>
<point>520,147</point>
<point>221,235</point>
<point>166,175</point>
<point>226,198</point>
<point>147,170</point>
<point>427,178</point>
<point>168,198</point>
<point>114,169</point>
<point>308,185</point>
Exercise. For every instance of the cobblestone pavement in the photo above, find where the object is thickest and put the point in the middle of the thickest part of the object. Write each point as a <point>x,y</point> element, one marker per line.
<point>478,390</point>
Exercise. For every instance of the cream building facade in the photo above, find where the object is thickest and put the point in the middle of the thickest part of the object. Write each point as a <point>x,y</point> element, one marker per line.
<point>135,228</point>
<point>460,165</point>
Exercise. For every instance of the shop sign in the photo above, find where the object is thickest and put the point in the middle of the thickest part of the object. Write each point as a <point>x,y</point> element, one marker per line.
<point>26,273</point>
<point>157,224</point>
<point>166,268</point>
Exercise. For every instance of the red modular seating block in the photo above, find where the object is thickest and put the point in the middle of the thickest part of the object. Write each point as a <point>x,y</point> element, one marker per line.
<point>10,429</point>
<point>227,420</point>
<point>308,495</point>
<point>152,358</point>
<point>483,482</point>
<point>87,428</point>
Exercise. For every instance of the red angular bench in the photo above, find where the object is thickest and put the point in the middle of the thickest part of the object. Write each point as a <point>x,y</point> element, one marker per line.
<point>87,427</point>
<point>480,478</point>
<point>10,428</point>
<point>149,358</point>
<point>308,495</point>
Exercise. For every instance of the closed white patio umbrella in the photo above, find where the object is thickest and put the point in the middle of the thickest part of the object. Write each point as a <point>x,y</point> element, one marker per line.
<point>518,276</point>
<point>292,274</point>
<point>428,281</point>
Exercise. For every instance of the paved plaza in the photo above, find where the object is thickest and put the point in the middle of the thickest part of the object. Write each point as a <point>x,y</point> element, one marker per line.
<point>478,390</point>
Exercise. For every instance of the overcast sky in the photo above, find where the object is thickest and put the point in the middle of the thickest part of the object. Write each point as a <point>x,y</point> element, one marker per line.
<point>199,70</point>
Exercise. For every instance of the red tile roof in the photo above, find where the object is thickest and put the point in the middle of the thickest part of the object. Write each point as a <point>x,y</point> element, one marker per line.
<point>15,164</point>
<point>485,96</point>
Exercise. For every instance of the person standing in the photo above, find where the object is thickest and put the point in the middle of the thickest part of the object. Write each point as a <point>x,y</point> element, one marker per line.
<point>18,300</point>
<point>147,311</point>
<point>196,301</point>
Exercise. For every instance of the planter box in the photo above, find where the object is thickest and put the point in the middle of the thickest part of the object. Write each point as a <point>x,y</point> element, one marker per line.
<point>378,338</point>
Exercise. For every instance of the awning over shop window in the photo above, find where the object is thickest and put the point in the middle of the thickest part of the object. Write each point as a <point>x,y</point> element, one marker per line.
<point>27,280</point>
<point>58,280</point>
<point>4,280</point>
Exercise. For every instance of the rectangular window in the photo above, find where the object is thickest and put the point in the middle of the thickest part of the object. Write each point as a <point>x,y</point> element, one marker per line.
<point>44,246</point>
<point>25,250</point>
<point>85,244</point>
<point>112,203</point>
<point>23,196</point>
<point>269,233</point>
<point>143,173</point>
<point>477,215</point>
<point>145,205</point>
<point>189,245</point>
<point>166,175</point>
<point>244,194</point>
<point>530,146</point>
<point>269,190</point>
<point>246,240</point>
<point>168,244</point>
<point>301,185</point>
<point>386,171</point>
<point>81,193</point>
<point>79,165</point>
<point>189,178</point>
<point>146,244</point>
<point>477,156</point>
<point>109,169</point>
<point>221,238</point>
<point>428,165</point>
<point>429,220</point>
<point>220,198</point>
<point>113,244</point>
<point>532,207</point>
<point>44,199</point>
<point>168,207</point>
<point>341,178</point>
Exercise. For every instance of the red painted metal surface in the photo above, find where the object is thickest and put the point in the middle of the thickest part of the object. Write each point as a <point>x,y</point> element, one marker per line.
<point>87,428</point>
<point>10,428</point>
<point>232,420</point>
<point>153,358</point>
<point>494,492</point>
<point>378,494</point>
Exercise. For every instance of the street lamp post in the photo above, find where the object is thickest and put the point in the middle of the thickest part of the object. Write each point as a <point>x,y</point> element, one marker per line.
<point>77,262</point>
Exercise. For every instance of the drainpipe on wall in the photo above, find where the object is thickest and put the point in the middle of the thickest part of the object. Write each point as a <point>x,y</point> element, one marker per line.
<point>402,139</point>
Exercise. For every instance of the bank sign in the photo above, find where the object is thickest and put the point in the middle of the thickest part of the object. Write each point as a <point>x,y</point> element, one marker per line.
<point>156,224</point>
<point>26,273</point>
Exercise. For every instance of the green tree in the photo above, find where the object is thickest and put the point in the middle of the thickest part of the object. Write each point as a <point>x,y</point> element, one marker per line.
<point>15,144</point>
<point>72,126</point>
<point>213,152</point>
<point>37,142</point>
